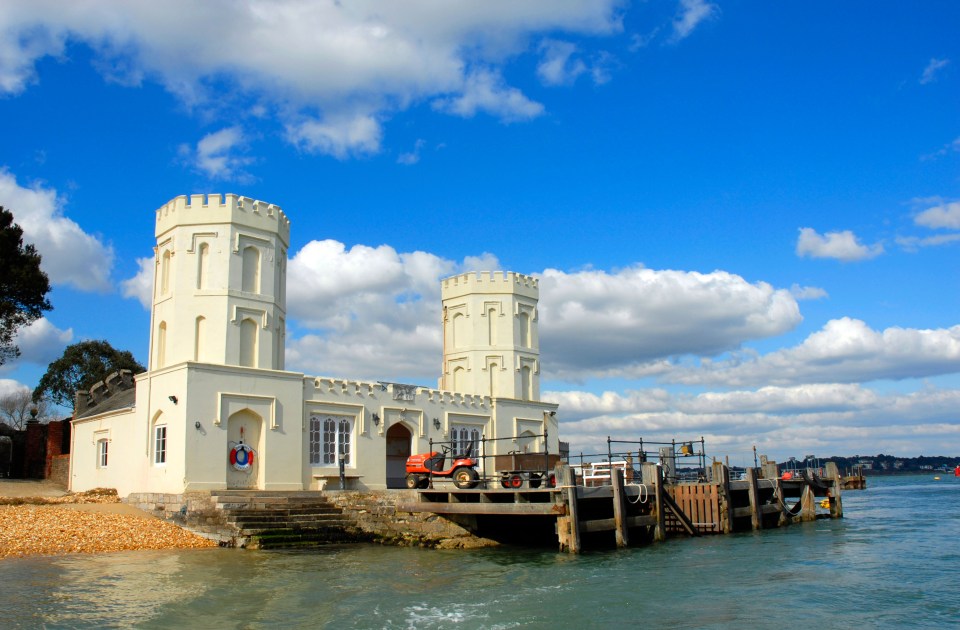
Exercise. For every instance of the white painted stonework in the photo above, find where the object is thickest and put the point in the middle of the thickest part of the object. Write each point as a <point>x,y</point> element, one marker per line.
<point>216,374</point>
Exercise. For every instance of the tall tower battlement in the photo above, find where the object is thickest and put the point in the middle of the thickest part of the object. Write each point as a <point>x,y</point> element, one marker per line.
<point>220,282</point>
<point>491,346</point>
<point>230,208</point>
<point>491,282</point>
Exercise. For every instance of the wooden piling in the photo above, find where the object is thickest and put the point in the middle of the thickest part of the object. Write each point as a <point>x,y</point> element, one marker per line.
<point>568,527</point>
<point>655,474</point>
<point>756,510</point>
<point>721,476</point>
<point>619,508</point>
<point>808,505</point>
<point>836,505</point>
<point>769,469</point>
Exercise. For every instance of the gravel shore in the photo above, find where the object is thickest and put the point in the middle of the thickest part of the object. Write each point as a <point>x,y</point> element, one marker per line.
<point>88,522</point>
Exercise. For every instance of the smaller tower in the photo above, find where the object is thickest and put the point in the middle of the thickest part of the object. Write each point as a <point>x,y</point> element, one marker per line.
<point>220,282</point>
<point>491,346</point>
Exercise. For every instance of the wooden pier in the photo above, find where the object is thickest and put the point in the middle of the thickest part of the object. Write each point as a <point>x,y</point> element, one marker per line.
<point>638,506</point>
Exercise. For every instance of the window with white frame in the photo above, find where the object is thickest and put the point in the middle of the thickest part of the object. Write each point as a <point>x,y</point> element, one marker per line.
<point>329,436</point>
<point>463,437</point>
<point>160,444</point>
<point>103,445</point>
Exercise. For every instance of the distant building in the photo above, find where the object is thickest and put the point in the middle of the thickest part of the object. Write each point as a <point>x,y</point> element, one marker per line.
<point>216,409</point>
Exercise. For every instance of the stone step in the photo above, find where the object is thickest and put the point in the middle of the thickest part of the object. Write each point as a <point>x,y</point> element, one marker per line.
<point>236,500</point>
<point>267,523</point>
<point>246,507</point>
<point>270,532</point>
<point>298,511</point>
<point>260,496</point>
<point>278,520</point>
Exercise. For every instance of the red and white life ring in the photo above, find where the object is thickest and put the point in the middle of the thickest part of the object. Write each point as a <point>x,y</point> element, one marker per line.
<point>241,457</point>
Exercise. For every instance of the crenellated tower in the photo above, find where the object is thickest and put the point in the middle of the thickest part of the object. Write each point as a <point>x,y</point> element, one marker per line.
<point>219,282</point>
<point>491,346</point>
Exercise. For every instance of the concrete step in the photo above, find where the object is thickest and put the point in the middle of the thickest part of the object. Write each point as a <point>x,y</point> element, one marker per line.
<point>272,532</point>
<point>265,524</point>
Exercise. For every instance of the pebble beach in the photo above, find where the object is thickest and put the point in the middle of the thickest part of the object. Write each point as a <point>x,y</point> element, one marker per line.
<point>88,522</point>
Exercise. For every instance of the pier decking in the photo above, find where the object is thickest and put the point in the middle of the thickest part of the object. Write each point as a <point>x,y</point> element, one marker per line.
<point>637,506</point>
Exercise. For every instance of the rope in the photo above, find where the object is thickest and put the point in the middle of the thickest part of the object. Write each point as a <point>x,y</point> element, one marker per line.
<point>642,495</point>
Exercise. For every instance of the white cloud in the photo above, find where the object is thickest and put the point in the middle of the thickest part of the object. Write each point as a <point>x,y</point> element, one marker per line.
<point>599,323</point>
<point>845,350</point>
<point>339,136</point>
<point>690,15</point>
<point>326,67</point>
<point>932,70</point>
<point>368,312</point>
<point>827,419</point>
<point>140,287</point>
<point>943,215</point>
<point>41,342</point>
<point>9,386</point>
<point>913,243</point>
<point>20,47</point>
<point>485,91</point>
<point>558,66</point>
<point>409,159</point>
<point>216,155</point>
<point>638,41</point>
<point>950,147</point>
<point>807,293</point>
<point>70,256</point>
<point>843,246</point>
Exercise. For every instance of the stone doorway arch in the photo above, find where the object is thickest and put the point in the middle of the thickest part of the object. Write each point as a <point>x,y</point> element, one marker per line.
<point>399,440</point>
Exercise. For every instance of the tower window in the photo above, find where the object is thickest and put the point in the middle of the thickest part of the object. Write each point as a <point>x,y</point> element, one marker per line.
<point>251,270</point>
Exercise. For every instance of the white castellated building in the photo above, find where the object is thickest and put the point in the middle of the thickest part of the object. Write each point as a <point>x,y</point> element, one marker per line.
<point>216,408</point>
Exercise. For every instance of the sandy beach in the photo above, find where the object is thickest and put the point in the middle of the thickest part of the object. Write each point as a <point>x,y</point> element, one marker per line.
<point>37,518</point>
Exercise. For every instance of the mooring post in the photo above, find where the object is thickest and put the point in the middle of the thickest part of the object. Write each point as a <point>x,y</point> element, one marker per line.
<point>770,470</point>
<point>568,527</point>
<point>836,505</point>
<point>785,517</point>
<point>808,504</point>
<point>756,513</point>
<point>721,476</point>
<point>656,476</point>
<point>619,508</point>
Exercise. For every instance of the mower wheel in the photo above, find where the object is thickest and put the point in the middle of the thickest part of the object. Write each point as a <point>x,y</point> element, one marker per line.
<point>413,481</point>
<point>465,478</point>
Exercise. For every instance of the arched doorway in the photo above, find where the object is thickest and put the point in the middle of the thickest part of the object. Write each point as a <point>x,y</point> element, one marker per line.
<point>245,426</point>
<point>398,450</point>
<point>527,442</point>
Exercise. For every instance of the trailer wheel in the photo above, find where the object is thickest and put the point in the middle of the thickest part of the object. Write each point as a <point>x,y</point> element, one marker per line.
<point>534,480</point>
<point>413,481</point>
<point>551,481</point>
<point>512,481</point>
<point>465,478</point>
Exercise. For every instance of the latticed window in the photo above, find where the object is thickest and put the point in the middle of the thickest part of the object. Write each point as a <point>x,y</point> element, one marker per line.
<point>102,448</point>
<point>464,437</point>
<point>160,444</point>
<point>330,436</point>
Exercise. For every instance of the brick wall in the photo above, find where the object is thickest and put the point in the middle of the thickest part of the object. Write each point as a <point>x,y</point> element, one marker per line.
<point>58,443</point>
<point>59,470</point>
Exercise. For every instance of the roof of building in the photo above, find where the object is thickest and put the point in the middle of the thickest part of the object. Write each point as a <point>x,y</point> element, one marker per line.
<point>115,392</point>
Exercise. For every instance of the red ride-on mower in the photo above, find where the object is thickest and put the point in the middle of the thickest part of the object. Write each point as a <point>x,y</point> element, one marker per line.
<point>461,468</point>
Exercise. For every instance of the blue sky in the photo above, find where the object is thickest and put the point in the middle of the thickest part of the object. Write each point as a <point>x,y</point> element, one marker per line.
<point>745,216</point>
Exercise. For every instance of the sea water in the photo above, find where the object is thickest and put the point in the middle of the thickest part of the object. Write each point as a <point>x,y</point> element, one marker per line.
<point>893,561</point>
